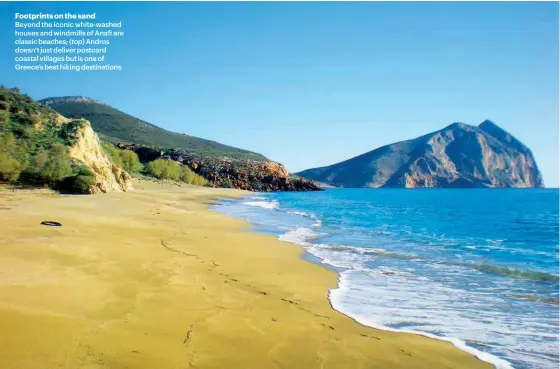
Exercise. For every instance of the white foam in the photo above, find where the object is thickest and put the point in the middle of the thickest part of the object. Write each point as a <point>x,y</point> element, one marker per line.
<point>353,262</point>
<point>263,204</point>
<point>317,223</point>
<point>335,296</point>
<point>302,213</point>
<point>301,236</point>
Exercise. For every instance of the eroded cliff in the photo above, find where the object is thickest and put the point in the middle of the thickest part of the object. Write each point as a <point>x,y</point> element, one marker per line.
<point>108,177</point>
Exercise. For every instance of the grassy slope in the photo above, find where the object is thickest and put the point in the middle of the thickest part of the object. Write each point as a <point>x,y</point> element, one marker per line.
<point>116,126</point>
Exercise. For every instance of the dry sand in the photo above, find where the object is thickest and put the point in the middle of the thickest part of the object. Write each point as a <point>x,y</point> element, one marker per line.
<point>154,280</point>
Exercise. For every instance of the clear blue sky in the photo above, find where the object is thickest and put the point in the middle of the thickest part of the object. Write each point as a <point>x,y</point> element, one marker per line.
<point>310,84</point>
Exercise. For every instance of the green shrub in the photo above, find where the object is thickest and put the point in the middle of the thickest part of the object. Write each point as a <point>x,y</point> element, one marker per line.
<point>28,132</point>
<point>50,167</point>
<point>37,165</point>
<point>164,169</point>
<point>4,120</point>
<point>187,175</point>
<point>83,180</point>
<point>68,131</point>
<point>190,177</point>
<point>79,183</point>
<point>10,166</point>
<point>226,183</point>
<point>130,161</point>
<point>113,152</point>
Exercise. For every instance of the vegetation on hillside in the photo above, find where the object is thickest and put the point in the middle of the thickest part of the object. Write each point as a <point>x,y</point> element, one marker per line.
<point>130,161</point>
<point>171,169</point>
<point>35,142</point>
<point>159,168</point>
<point>34,145</point>
<point>118,127</point>
<point>126,159</point>
<point>221,165</point>
<point>245,174</point>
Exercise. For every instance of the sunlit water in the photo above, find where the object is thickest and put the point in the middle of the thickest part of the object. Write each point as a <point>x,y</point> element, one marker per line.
<point>478,267</point>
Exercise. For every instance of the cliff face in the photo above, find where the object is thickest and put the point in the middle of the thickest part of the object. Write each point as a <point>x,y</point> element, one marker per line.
<point>459,155</point>
<point>108,177</point>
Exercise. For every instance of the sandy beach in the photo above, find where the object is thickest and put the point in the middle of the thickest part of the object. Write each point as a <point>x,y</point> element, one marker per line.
<point>152,279</point>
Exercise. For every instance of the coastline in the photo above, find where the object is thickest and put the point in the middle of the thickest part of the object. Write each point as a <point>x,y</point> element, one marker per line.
<point>154,279</point>
<point>335,295</point>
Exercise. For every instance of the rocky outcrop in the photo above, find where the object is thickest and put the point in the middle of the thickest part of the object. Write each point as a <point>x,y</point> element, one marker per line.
<point>87,150</point>
<point>70,99</point>
<point>247,174</point>
<point>250,175</point>
<point>459,155</point>
<point>244,174</point>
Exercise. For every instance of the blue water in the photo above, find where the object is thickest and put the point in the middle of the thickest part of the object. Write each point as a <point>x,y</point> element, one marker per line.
<point>478,267</point>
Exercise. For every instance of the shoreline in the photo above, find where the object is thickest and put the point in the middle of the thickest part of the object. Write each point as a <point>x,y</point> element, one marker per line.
<point>154,278</point>
<point>460,344</point>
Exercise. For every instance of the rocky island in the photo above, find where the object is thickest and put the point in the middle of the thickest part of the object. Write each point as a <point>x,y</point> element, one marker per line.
<point>458,156</point>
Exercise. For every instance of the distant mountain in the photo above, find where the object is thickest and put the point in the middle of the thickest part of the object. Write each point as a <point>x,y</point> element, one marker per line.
<point>459,155</point>
<point>118,127</point>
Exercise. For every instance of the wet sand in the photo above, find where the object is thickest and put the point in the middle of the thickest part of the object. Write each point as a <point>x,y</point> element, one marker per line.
<point>154,280</point>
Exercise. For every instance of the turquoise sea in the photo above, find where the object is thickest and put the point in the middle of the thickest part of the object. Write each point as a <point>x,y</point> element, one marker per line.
<point>478,267</point>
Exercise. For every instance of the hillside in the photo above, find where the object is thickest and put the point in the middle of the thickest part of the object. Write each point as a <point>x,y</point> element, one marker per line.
<point>221,165</point>
<point>459,155</point>
<point>40,147</point>
<point>118,127</point>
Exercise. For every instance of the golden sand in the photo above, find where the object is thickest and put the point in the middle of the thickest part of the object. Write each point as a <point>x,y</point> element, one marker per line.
<point>154,280</point>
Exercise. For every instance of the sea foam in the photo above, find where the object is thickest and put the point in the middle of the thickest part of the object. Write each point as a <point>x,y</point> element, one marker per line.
<point>263,204</point>
<point>404,267</point>
<point>335,297</point>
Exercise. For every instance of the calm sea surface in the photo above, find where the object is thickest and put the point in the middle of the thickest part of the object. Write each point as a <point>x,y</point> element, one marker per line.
<point>478,267</point>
